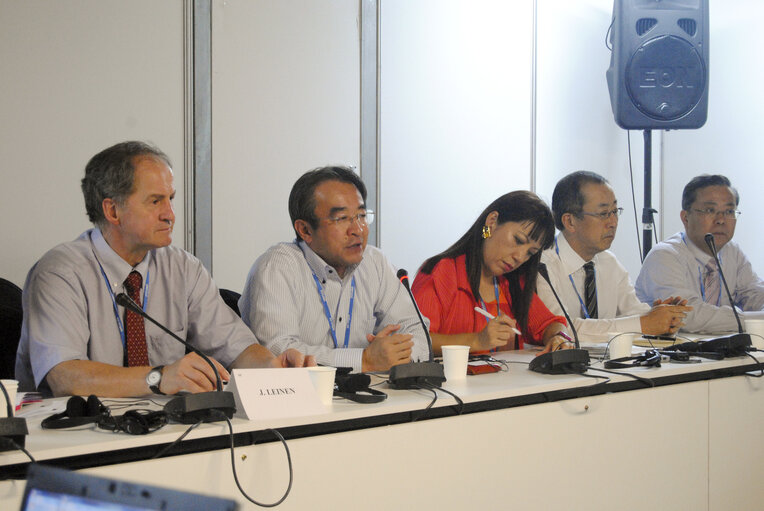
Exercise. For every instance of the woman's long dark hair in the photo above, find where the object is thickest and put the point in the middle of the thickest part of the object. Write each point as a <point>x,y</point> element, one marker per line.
<point>522,207</point>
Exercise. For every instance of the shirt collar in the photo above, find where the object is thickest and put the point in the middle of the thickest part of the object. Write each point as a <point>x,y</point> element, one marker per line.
<point>571,261</point>
<point>321,268</point>
<point>698,253</point>
<point>116,268</point>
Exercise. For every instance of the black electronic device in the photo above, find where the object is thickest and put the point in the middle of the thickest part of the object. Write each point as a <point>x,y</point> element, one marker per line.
<point>414,375</point>
<point>659,64</point>
<point>81,412</point>
<point>191,408</point>
<point>561,361</point>
<point>356,387</point>
<point>55,488</point>
<point>13,430</point>
<point>650,358</point>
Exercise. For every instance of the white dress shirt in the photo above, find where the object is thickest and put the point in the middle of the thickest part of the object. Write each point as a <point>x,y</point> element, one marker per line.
<point>619,309</point>
<point>282,306</point>
<point>675,267</point>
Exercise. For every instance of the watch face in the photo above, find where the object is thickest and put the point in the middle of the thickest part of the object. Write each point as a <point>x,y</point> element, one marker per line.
<point>154,377</point>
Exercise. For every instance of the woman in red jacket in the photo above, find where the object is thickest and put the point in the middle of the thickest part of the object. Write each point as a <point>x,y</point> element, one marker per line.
<point>493,267</point>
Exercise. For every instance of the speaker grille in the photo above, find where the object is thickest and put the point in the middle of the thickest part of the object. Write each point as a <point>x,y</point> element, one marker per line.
<point>644,25</point>
<point>688,25</point>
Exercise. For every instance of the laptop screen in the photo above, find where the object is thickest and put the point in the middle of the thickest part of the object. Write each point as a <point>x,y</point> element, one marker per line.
<point>55,489</point>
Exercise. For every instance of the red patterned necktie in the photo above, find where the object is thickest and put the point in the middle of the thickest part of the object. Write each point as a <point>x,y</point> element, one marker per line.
<point>135,332</point>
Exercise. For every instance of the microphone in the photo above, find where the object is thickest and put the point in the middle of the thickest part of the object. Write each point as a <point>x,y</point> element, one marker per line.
<point>562,361</point>
<point>403,276</point>
<point>13,430</point>
<point>190,408</point>
<point>730,345</point>
<point>414,375</point>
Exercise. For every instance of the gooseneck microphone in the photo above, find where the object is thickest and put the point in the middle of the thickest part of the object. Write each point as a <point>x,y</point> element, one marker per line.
<point>729,345</point>
<point>561,361</point>
<point>403,276</point>
<point>190,408</point>
<point>415,375</point>
<point>712,246</point>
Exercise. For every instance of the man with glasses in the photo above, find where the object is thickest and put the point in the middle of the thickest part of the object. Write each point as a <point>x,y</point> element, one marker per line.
<point>684,264</point>
<point>327,293</point>
<point>594,287</point>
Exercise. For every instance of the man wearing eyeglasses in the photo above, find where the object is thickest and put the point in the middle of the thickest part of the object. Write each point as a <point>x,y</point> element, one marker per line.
<point>594,287</point>
<point>326,291</point>
<point>684,264</point>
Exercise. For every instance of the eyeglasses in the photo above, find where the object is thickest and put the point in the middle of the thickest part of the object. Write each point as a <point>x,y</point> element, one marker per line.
<point>605,215</point>
<point>364,219</point>
<point>726,213</point>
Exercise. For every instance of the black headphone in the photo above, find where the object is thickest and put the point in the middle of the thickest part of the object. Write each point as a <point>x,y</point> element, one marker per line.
<point>650,358</point>
<point>355,387</point>
<point>135,422</point>
<point>80,412</point>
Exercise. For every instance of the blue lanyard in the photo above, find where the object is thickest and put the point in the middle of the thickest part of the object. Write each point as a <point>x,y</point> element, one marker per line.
<point>570,277</point>
<point>328,313</point>
<point>700,277</point>
<point>496,294</point>
<point>120,326</point>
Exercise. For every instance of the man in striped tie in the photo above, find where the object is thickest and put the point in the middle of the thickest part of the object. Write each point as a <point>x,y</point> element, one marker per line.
<point>594,287</point>
<point>77,340</point>
<point>684,263</point>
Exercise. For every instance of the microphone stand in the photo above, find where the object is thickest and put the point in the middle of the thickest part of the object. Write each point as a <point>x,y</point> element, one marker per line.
<point>13,430</point>
<point>190,408</point>
<point>729,345</point>
<point>561,361</point>
<point>414,375</point>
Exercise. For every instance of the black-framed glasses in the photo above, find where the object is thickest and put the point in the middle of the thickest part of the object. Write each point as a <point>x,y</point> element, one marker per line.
<point>605,215</point>
<point>726,213</point>
<point>364,219</point>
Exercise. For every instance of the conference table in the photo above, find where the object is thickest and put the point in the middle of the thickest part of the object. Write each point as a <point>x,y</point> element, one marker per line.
<point>523,440</point>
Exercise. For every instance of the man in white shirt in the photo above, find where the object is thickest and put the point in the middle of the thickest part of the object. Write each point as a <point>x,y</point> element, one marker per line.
<point>327,293</point>
<point>76,339</point>
<point>594,287</point>
<point>684,263</point>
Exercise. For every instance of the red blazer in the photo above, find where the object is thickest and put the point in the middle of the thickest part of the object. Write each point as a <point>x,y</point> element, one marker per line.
<point>445,297</point>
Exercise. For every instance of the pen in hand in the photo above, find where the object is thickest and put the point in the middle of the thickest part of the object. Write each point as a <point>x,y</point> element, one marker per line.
<point>491,316</point>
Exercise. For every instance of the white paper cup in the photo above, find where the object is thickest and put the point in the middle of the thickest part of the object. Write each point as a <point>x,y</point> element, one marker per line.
<point>620,345</point>
<point>755,327</point>
<point>455,362</point>
<point>10,386</point>
<point>323,381</point>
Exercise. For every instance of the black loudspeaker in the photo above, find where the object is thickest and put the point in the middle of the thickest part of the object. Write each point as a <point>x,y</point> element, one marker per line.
<point>658,75</point>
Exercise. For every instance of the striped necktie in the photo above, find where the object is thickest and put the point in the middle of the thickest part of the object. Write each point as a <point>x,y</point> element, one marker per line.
<point>590,290</point>
<point>712,284</point>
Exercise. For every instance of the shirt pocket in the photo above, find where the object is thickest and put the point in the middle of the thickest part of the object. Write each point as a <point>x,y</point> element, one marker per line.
<point>162,347</point>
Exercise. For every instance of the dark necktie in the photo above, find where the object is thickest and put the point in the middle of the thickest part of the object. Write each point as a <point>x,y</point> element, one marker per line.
<point>135,332</point>
<point>590,290</point>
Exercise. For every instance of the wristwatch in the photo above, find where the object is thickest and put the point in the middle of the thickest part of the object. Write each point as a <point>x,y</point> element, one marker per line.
<point>154,378</point>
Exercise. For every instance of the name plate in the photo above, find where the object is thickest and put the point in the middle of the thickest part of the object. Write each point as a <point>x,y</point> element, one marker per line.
<point>274,393</point>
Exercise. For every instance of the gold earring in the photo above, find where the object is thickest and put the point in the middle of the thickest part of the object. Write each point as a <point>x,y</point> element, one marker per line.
<point>486,232</point>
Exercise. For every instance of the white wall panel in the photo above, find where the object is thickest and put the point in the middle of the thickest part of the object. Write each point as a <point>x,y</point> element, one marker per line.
<point>455,118</point>
<point>76,77</point>
<point>285,99</point>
